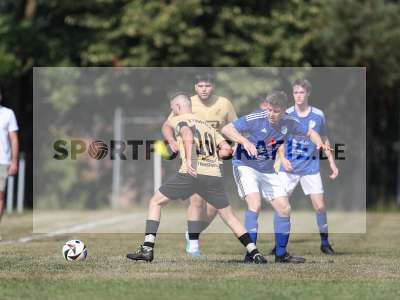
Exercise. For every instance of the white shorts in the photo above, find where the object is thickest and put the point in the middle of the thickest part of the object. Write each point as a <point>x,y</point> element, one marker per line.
<point>311,184</point>
<point>249,180</point>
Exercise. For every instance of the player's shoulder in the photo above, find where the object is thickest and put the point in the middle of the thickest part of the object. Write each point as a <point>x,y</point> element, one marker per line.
<point>256,115</point>
<point>6,110</point>
<point>317,112</point>
<point>223,100</point>
<point>287,117</point>
<point>6,113</point>
<point>290,110</point>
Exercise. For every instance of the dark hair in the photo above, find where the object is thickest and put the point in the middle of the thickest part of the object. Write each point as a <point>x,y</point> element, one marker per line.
<point>277,98</point>
<point>204,77</point>
<point>304,83</point>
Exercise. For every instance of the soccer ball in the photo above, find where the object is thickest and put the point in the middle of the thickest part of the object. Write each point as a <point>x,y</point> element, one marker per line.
<point>74,250</point>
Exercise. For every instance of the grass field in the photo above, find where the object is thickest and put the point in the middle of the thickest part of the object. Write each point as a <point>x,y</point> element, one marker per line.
<point>367,267</point>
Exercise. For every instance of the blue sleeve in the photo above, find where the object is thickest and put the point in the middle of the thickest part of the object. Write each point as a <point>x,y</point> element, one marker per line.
<point>241,124</point>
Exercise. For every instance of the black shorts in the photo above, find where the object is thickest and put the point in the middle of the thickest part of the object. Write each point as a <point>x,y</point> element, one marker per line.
<point>210,188</point>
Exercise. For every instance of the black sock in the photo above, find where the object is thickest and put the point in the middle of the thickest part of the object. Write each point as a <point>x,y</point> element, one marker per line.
<point>246,240</point>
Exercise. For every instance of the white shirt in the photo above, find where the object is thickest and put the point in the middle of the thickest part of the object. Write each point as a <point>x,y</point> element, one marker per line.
<point>8,123</point>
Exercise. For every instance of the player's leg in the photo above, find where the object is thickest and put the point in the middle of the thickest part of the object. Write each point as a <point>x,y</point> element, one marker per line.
<point>2,200</point>
<point>179,186</point>
<point>214,193</point>
<point>274,191</point>
<point>196,215</point>
<point>3,178</point>
<point>246,179</point>
<point>312,185</point>
<point>322,222</point>
<point>145,251</point>
<point>229,218</point>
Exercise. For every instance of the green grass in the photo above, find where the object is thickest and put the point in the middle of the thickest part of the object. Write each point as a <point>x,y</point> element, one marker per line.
<point>367,267</point>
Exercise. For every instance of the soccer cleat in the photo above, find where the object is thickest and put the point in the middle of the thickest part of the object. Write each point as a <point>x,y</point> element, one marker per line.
<point>190,252</point>
<point>187,241</point>
<point>259,259</point>
<point>272,252</point>
<point>287,258</point>
<point>328,250</point>
<point>248,258</point>
<point>195,253</point>
<point>142,253</point>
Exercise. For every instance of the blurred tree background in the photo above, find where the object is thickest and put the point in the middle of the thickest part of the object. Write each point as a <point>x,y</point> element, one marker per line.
<point>213,33</point>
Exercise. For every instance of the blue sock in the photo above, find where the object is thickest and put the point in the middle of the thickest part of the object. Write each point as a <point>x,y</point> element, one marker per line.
<point>282,232</point>
<point>323,228</point>
<point>251,224</point>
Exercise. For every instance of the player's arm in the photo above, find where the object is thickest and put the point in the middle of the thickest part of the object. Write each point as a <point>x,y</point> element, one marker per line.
<point>12,170</point>
<point>224,149</point>
<point>281,159</point>
<point>168,133</point>
<point>332,163</point>
<point>187,138</point>
<point>230,131</point>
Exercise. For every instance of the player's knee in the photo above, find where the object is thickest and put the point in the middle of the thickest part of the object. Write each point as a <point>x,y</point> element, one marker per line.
<point>196,202</point>
<point>285,210</point>
<point>320,208</point>
<point>158,200</point>
<point>256,207</point>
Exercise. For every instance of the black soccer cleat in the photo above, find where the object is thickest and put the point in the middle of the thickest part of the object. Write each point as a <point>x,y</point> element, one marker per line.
<point>259,259</point>
<point>328,250</point>
<point>248,259</point>
<point>142,253</point>
<point>287,258</point>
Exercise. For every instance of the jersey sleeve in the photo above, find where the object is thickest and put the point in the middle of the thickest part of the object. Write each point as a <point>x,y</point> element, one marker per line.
<point>12,124</point>
<point>231,113</point>
<point>242,124</point>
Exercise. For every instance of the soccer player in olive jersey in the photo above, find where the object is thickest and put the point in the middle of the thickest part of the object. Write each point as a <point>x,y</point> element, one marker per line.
<point>199,146</point>
<point>216,111</point>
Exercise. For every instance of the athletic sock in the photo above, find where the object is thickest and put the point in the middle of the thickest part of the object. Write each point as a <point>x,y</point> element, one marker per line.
<point>282,232</point>
<point>245,239</point>
<point>322,222</point>
<point>194,229</point>
<point>204,225</point>
<point>251,224</point>
<point>151,232</point>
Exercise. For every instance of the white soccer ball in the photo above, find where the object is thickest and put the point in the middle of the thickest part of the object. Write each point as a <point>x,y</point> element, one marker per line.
<point>74,250</point>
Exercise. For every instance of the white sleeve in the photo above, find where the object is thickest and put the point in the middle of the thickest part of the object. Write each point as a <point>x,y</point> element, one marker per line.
<point>12,124</point>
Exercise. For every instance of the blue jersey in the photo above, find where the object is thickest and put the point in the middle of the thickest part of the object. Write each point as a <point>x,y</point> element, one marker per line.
<point>300,151</point>
<point>266,137</point>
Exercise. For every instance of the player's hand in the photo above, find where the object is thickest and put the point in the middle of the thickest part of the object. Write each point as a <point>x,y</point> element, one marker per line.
<point>12,169</point>
<point>190,169</point>
<point>250,149</point>
<point>325,147</point>
<point>173,145</point>
<point>287,165</point>
<point>335,172</point>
